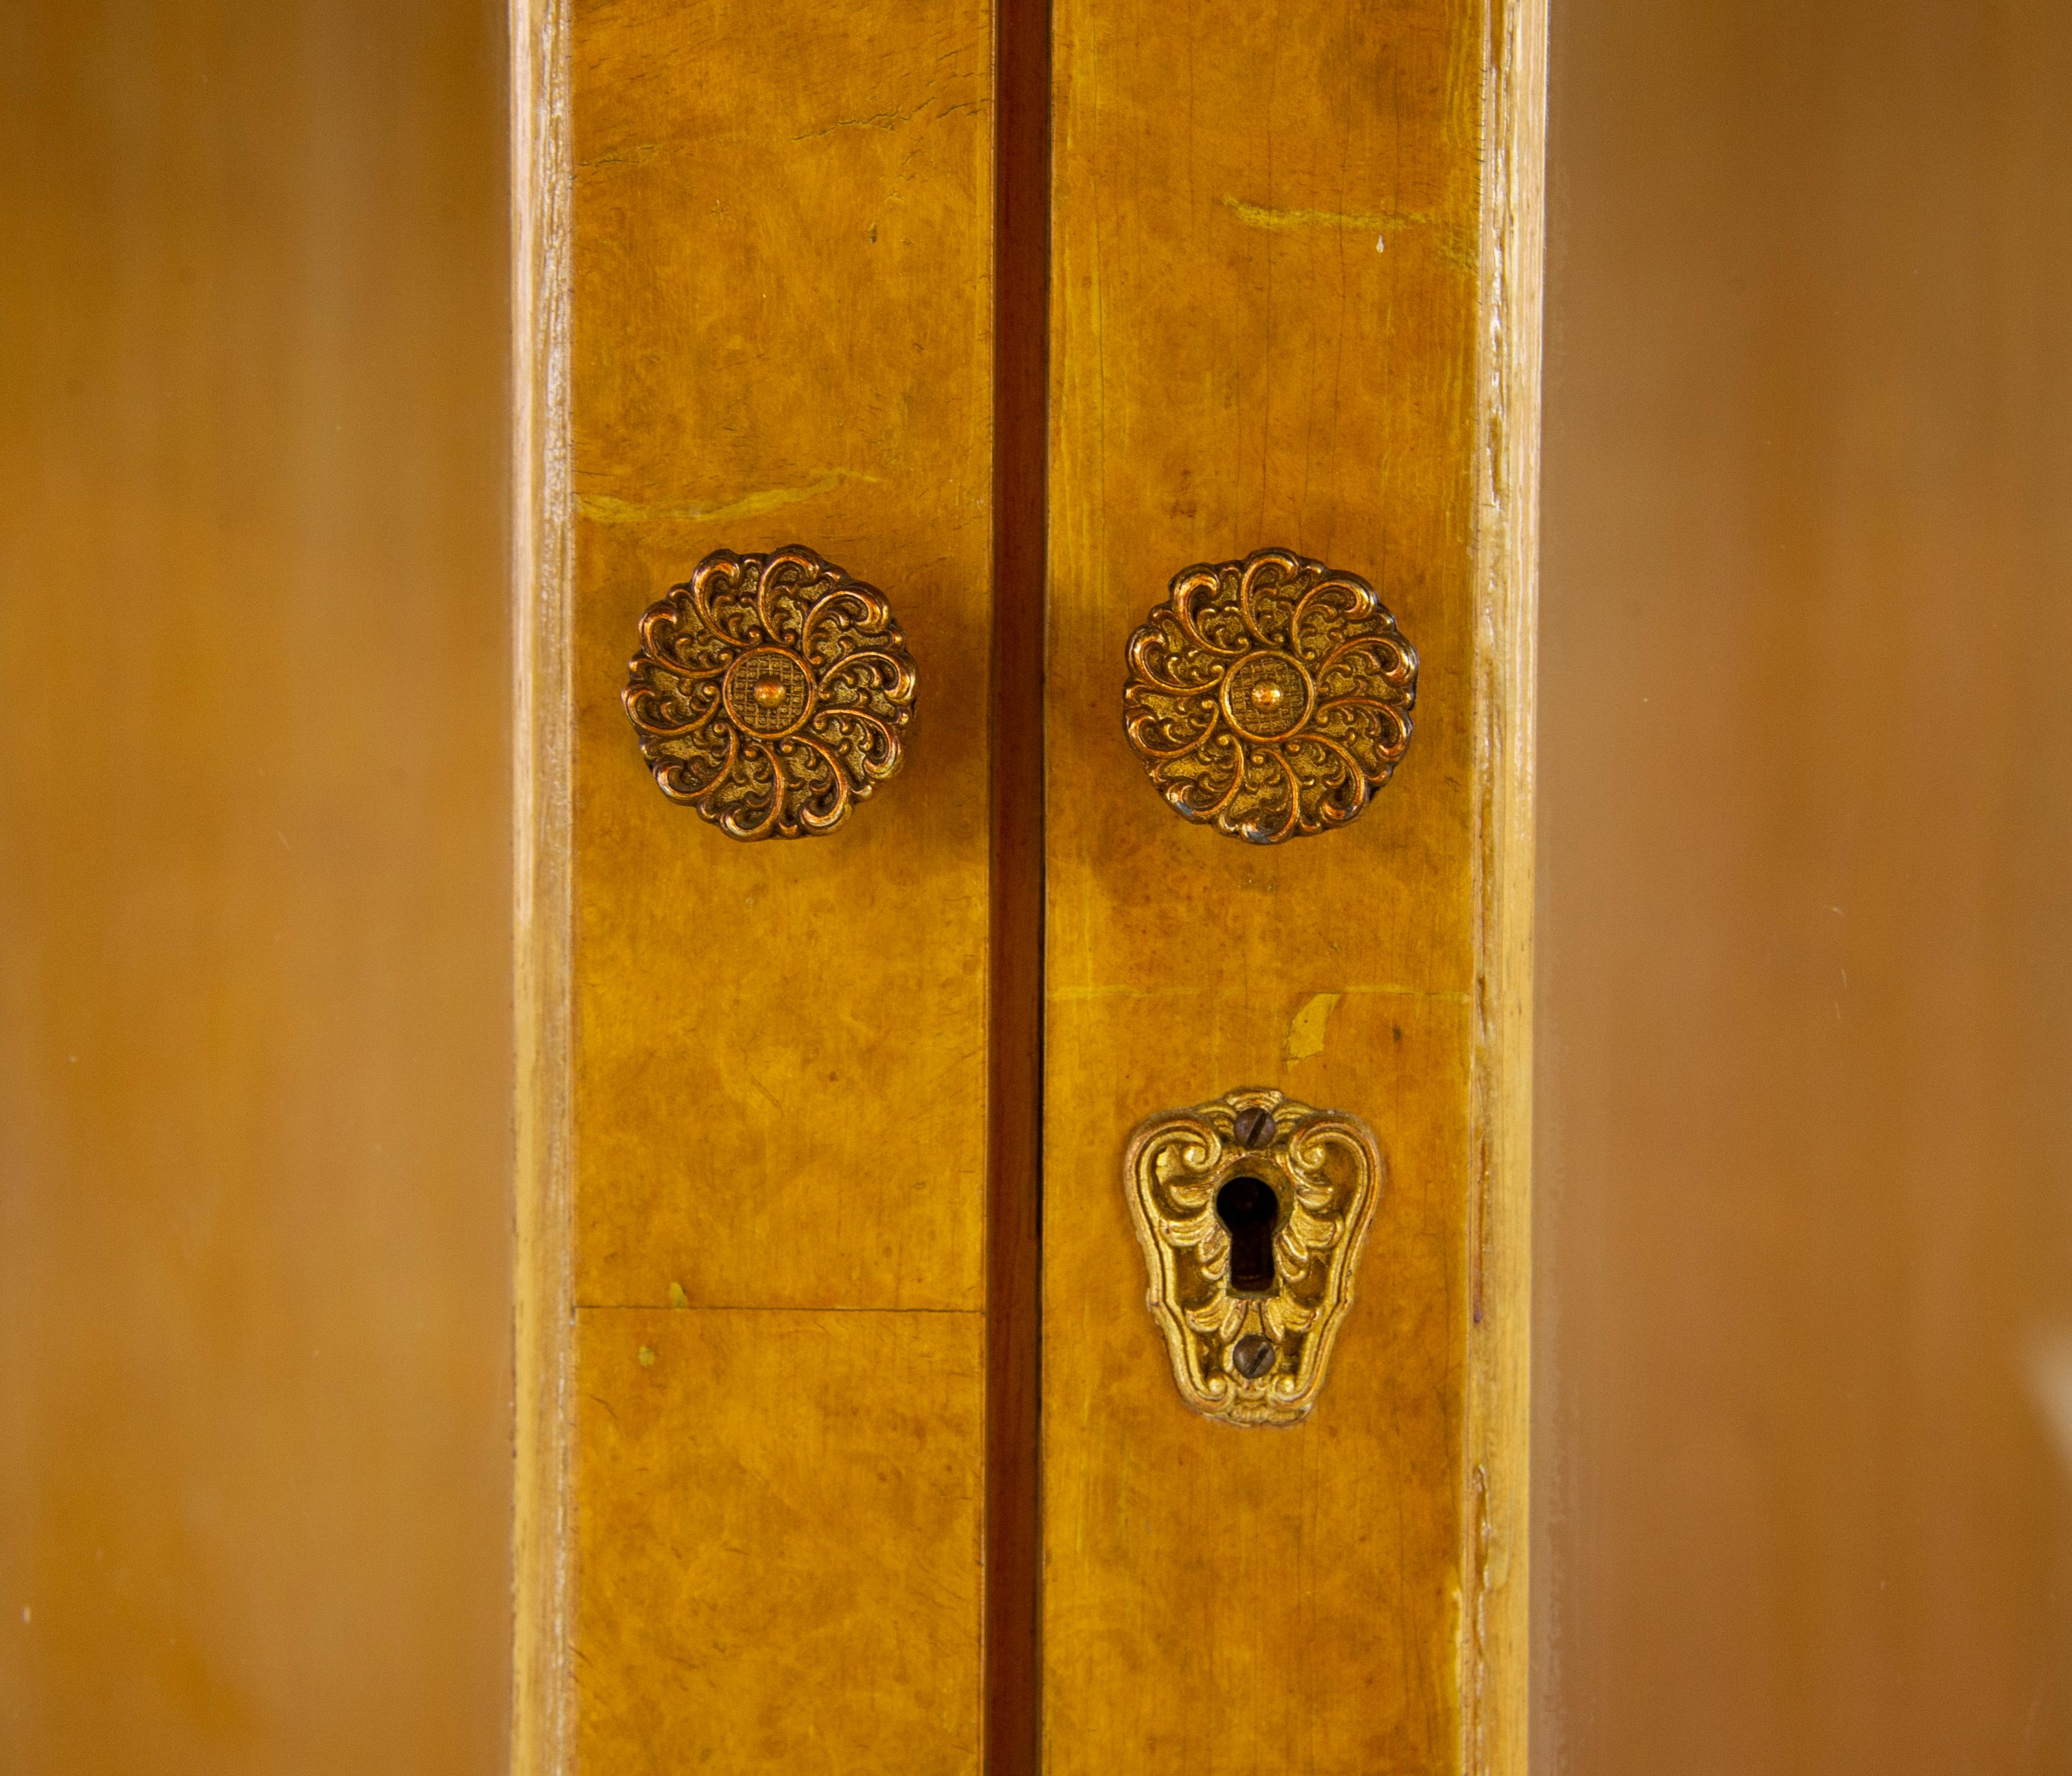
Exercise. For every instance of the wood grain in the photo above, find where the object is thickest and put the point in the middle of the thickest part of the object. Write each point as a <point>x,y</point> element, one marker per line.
<point>543,740</point>
<point>254,837</point>
<point>786,1601</point>
<point>1497,1653</point>
<point>781,331</point>
<point>798,1029</point>
<point>1270,301</point>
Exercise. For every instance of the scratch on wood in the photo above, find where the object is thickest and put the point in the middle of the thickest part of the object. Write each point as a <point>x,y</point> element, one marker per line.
<point>878,120</point>
<point>639,155</point>
<point>1443,995</point>
<point>604,509</point>
<point>1260,215</point>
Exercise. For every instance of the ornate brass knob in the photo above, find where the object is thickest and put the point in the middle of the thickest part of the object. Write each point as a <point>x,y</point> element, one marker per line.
<point>1271,696</point>
<point>770,692</point>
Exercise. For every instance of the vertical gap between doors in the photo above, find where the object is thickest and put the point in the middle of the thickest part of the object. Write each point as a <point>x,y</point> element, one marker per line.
<point>1021,397</point>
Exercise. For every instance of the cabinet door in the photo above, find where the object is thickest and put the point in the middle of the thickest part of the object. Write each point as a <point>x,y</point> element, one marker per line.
<point>1279,324</point>
<point>758,1153</point>
<point>847,1440</point>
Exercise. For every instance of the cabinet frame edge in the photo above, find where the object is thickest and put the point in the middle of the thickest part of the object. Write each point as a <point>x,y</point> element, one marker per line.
<point>542,563</point>
<point>1495,1615</point>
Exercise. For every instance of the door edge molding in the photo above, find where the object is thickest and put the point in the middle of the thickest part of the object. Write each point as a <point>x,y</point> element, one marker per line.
<point>1495,1613</point>
<point>542,570</point>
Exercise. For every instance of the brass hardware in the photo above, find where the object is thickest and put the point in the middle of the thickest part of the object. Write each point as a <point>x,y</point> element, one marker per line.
<point>1252,1211</point>
<point>1271,696</point>
<point>770,692</point>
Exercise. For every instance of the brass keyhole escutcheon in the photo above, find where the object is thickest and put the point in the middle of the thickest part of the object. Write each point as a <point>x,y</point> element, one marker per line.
<point>1252,1211</point>
<point>1270,697</point>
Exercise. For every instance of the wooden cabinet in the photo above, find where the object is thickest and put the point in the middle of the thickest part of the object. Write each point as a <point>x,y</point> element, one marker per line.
<point>847,1440</point>
<point>847,1459</point>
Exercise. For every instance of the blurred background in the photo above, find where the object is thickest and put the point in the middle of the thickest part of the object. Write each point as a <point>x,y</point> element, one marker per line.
<point>1804,1333</point>
<point>1803,1347</point>
<point>255,1031</point>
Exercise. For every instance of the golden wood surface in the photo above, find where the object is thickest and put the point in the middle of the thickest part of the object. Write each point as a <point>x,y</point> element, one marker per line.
<point>1271,292</point>
<point>254,836</point>
<point>779,1510</point>
<point>782,236</point>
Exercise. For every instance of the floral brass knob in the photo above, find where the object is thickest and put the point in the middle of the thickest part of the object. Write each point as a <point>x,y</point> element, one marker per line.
<point>770,692</point>
<point>1270,697</point>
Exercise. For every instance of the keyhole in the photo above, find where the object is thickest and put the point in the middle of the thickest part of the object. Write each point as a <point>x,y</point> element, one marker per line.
<point>1249,1212</point>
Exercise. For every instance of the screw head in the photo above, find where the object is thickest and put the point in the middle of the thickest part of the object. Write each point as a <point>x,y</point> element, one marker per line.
<point>1252,1356</point>
<point>1253,1126</point>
